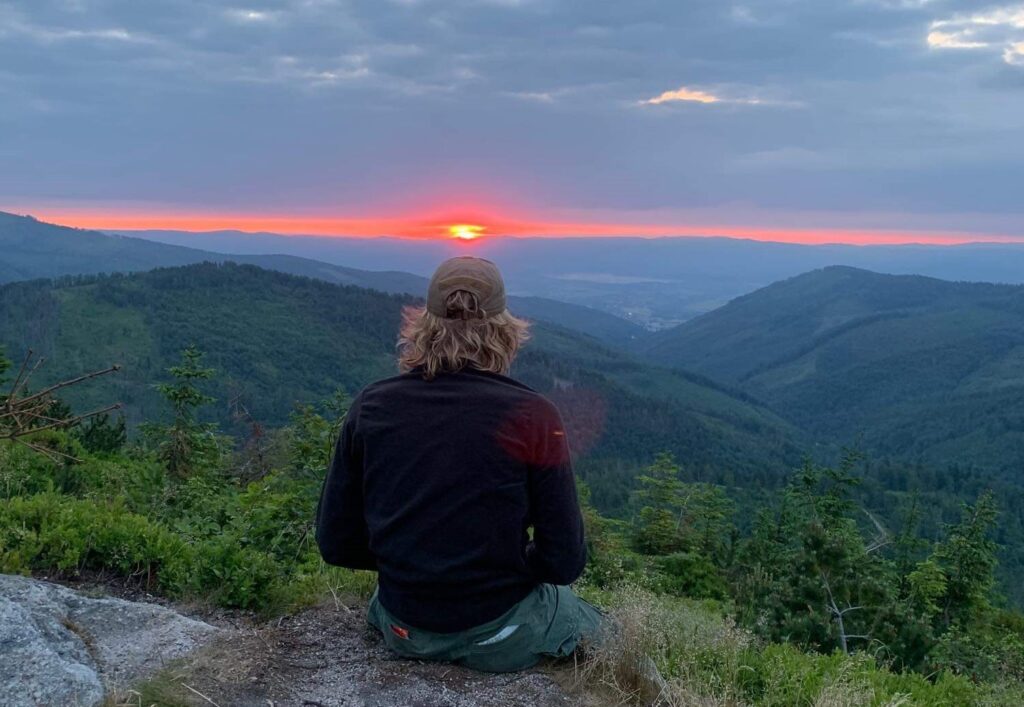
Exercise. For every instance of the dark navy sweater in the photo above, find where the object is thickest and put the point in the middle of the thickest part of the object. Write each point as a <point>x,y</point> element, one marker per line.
<point>434,484</point>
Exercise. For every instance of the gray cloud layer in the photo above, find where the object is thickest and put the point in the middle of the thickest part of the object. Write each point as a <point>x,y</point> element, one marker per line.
<point>848,105</point>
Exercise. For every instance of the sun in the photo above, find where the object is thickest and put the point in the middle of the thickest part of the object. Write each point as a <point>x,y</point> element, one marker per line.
<point>466,231</point>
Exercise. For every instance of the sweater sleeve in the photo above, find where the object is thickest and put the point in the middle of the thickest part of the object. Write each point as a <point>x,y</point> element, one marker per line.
<point>558,553</point>
<point>341,531</point>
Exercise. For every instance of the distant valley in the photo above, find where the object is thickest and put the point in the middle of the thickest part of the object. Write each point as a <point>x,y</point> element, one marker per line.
<point>653,282</point>
<point>33,249</point>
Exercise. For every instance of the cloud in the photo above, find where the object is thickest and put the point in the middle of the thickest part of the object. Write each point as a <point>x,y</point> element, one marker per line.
<point>685,95</point>
<point>290,70</point>
<point>537,96</point>
<point>954,40</point>
<point>1014,54</point>
<point>51,34</point>
<point>901,4</point>
<point>297,104</point>
<point>742,14</point>
<point>247,16</point>
<point>1000,29</point>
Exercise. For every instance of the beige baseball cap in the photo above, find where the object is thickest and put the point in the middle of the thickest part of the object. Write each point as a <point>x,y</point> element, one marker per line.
<point>474,275</point>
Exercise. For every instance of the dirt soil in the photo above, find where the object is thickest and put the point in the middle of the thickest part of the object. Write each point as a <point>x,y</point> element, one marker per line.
<point>328,656</point>
<point>325,656</point>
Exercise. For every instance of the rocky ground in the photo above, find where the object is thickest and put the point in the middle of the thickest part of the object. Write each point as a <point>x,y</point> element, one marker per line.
<point>328,656</point>
<point>61,647</point>
<point>65,647</point>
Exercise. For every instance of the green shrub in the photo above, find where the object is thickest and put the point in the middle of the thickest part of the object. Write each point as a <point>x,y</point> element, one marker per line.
<point>690,574</point>
<point>231,575</point>
<point>51,532</point>
<point>24,471</point>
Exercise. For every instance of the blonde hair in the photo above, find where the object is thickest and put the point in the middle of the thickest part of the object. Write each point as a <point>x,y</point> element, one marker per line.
<point>467,337</point>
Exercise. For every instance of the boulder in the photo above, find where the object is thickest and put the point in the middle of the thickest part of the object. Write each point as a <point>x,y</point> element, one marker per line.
<point>61,647</point>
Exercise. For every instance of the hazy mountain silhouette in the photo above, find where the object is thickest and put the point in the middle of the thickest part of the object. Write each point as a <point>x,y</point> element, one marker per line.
<point>32,249</point>
<point>652,281</point>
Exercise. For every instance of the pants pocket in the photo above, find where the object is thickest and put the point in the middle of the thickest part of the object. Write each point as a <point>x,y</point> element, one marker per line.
<point>502,654</point>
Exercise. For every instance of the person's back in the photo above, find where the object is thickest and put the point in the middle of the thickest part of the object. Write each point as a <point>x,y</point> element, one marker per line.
<point>439,473</point>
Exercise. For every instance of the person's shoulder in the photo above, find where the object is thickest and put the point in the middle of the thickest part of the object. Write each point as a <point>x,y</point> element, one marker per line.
<point>518,389</point>
<point>384,385</point>
<point>531,401</point>
<point>545,410</point>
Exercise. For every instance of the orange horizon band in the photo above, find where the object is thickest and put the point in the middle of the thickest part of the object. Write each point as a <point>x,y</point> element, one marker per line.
<point>483,228</point>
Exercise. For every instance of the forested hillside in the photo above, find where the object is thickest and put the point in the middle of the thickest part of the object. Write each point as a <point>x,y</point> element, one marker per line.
<point>908,366</point>
<point>279,340</point>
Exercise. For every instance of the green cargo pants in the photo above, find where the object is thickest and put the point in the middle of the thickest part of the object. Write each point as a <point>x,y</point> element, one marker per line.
<point>549,621</point>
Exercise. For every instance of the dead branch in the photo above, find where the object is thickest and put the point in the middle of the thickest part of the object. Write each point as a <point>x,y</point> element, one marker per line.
<point>21,372</point>
<point>54,455</point>
<point>839,614</point>
<point>67,422</point>
<point>882,536</point>
<point>23,416</point>
<point>74,381</point>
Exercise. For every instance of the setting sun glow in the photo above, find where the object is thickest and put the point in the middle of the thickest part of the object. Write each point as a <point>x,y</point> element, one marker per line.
<point>470,227</point>
<point>466,231</point>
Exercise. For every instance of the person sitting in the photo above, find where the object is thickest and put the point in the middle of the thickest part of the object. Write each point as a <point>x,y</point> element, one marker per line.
<point>438,478</point>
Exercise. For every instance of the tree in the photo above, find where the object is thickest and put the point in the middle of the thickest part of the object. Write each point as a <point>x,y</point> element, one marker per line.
<point>101,436</point>
<point>314,433</point>
<point>951,590</point>
<point>709,512</point>
<point>967,558</point>
<point>656,531</point>
<point>676,516</point>
<point>185,444</point>
<point>5,364</point>
<point>807,574</point>
<point>608,555</point>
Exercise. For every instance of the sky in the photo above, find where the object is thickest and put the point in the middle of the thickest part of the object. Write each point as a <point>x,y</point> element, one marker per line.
<point>802,120</point>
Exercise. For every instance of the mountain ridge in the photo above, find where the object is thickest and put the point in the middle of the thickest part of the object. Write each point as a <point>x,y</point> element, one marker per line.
<point>673,278</point>
<point>31,249</point>
<point>895,362</point>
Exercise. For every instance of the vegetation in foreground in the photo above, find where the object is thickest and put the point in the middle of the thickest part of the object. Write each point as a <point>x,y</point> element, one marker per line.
<point>817,604</point>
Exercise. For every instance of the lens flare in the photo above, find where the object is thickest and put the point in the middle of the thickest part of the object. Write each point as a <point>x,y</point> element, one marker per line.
<point>466,231</point>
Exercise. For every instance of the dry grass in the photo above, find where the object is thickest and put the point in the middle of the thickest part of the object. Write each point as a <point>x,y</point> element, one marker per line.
<point>846,690</point>
<point>648,635</point>
<point>676,653</point>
